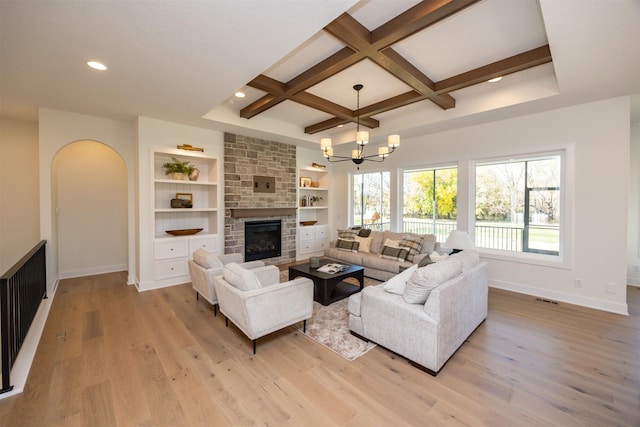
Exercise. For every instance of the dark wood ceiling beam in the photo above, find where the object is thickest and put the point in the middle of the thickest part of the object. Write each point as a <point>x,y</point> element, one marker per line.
<point>513,64</point>
<point>397,65</point>
<point>329,107</point>
<point>415,19</point>
<point>260,106</point>
<point>339,61</point>
<point>325,125</point>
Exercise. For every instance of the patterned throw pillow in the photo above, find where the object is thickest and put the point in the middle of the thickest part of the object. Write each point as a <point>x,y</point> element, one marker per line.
<point>414,244</point>
<point>398,254</point>
<point>347,234</point>
<point>347,245</point>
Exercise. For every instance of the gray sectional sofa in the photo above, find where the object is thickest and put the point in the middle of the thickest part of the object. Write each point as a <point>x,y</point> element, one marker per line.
<point>368,254</point>
<point>427,332</point>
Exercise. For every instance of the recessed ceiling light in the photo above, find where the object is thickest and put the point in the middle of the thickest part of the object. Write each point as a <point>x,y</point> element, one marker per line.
<point>495,79</point>
<point>240,95</point>
<point>97,65</point>
<point>339,126</point>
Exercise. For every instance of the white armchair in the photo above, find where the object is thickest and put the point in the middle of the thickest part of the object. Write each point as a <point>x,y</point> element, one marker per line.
<point>258,304</point>
<point>205,266</point>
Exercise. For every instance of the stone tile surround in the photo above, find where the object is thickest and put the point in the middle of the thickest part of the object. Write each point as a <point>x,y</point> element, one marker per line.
<point>245,157</point>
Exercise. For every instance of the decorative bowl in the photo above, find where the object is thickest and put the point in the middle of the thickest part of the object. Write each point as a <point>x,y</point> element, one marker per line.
<point>185,232</point>
<point>307,222</point>
<point>315,184</point>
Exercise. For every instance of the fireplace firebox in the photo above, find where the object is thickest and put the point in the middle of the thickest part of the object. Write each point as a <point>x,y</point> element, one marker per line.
<point>262,239</point>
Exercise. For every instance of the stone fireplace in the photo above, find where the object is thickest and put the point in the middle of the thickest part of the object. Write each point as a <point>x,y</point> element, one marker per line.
<point>246,158</point>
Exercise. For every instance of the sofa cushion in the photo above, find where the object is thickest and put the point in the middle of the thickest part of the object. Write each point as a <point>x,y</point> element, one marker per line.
<point>344,256</point>
<point>239,277</point>
<point>378,263</point>
<point>396,284</point>
<point>364,244</point>
<point>206,259</point>
<point>425,279</point>
<point>376,242</point>
<point>428,243</point>
<point>347,245</point>
<point>413,243</point>
<point>469,259</point>
<point>348,234</point>
<point>394,253</point>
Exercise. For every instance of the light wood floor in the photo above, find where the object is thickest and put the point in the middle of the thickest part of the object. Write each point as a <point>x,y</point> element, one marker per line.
<point>114,357</point>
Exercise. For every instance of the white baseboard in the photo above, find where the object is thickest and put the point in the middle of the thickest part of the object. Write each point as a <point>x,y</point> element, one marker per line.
<point>91,271</point>
<point>561,297</point>
<point>633,281</point>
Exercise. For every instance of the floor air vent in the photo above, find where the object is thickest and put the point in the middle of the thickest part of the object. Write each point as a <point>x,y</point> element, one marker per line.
<point>548,301</point>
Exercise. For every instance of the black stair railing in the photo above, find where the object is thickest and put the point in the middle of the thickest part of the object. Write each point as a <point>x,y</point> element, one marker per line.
<point>22,289</point>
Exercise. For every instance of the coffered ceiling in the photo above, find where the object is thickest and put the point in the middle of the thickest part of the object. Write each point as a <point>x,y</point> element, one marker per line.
<point>424,65</point>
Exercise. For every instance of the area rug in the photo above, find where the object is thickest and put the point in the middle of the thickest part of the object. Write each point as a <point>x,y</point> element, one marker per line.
<point>329,326</point>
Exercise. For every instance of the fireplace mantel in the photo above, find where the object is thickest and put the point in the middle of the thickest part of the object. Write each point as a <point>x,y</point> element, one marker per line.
<point>261,212</point>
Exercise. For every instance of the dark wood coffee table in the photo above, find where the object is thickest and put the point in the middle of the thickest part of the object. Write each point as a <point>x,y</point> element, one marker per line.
<point>329,288</point>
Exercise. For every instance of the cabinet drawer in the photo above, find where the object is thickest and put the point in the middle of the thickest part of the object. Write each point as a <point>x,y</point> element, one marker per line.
<point>306,246</point>
<point>172,248</point>
<point>321,244</point>
<point>170,268</point>
<point>322,232</point>
<point>307,233</point>
<point>209,244</point>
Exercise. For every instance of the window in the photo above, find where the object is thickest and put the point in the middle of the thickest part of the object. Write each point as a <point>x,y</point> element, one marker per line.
<point>518,205</point>
<point>429,202</point>
<point>371,200</point>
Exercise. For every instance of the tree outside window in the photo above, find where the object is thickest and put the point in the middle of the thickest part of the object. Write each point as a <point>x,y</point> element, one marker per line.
<point>372,200</point>
<point>518,205</point>
<point>429,203</point>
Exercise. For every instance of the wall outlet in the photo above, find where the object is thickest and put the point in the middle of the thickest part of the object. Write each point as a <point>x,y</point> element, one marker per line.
<point>578,283</point>
<point>636,268</point>
<point>611,288</point>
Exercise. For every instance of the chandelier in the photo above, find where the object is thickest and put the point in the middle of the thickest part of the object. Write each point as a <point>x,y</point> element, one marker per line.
<point>362,138</point>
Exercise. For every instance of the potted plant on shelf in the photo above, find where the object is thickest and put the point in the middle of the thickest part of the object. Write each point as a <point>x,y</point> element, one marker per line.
<point>179,169</point>
<point>314,199</point>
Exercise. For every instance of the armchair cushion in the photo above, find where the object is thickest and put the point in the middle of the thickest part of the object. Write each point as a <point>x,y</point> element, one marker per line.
<point>206,259</point>
<point>241,278</point>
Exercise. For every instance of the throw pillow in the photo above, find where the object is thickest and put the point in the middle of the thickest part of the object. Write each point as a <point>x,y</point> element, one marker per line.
<point>396,284</point>
<point>347,234</point>
<point>347,245</point>
<point>436,257</point>
<point>425,279</point>
<point>365,244</point>
<point>206,259</point>
<point>397,254</point>
<point>364,232</point>
<point>241,278</point>
<point>392,243</point>
<point>414,244</point>
<point>426,260</point>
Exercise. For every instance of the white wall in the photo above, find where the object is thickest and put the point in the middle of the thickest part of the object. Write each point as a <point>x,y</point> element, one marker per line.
<point>91,209</point>
<point>634,207</point>
<point>59,128</point>
<point>596,137</point>
<point>19,195</point>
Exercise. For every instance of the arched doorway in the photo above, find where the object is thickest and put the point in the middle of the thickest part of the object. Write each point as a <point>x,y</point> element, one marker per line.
<point>89,194</point>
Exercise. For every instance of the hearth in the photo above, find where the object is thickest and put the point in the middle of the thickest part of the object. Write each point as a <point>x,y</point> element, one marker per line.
<point>262,239</point>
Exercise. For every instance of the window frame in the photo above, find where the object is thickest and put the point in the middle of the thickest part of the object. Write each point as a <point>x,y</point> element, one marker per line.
<point>564,259</point>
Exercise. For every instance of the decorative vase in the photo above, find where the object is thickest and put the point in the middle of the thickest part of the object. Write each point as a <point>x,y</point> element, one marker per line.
<point>178,176</point>
<point>195,173</point>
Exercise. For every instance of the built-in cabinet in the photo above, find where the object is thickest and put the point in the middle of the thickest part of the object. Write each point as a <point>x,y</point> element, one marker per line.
<point>171,252</point>
<point>313,205</point>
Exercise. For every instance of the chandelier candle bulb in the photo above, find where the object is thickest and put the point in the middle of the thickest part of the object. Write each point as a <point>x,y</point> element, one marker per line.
<point>393,141</point>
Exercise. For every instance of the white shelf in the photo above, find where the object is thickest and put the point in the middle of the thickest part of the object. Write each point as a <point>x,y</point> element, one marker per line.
<point>185,210</point>
<point>185,182</point>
